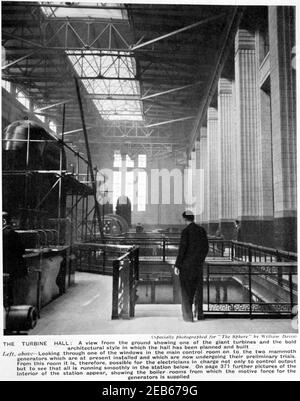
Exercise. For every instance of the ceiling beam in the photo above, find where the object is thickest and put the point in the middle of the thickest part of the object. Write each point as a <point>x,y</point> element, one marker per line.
<point>133,141</point>
<point>149,42</point>
<point>105,96</point>
<point>54,105</point>
<point>20,59</point>
<point>171,90</point>
<point>58,78</point>
<point>73,131</point>
<point>88,6</point>
<point>228,36</point>
<point>170,121</point>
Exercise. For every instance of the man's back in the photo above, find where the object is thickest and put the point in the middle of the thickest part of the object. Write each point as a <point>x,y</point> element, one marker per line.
<point>193,246</point>
<point>192,251</point>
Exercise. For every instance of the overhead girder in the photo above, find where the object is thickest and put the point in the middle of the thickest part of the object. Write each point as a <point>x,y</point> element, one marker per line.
<point>133,141</point>
<point>177,31</point>
<point>228,37</point>
<point>70,34</point>
<point>151,150</point>
<point>162,66</point>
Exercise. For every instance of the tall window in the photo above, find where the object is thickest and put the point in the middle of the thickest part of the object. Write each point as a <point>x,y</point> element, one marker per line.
<point>121,173</point>
<point>129,162</point>
<point>142,184</point>
<point>142,191</point>
<point>53,126</point>
<point>142,161</point>
<point>129,187</point>
<point>6,85</point>
<point>117,160</point>
<point>36,109</point>
<point>22,98</point>
<point>117,187</point>
<point>124,177</point>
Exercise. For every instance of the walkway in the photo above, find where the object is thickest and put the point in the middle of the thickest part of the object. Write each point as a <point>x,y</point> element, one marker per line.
<point>86,309</point>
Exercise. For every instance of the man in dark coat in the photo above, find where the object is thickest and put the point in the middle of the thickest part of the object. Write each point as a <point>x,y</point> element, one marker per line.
<point>192,252</point>
<point>13,250</point>
<point>238,234</point>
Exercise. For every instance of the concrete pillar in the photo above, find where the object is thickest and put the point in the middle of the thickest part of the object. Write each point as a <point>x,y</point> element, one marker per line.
<point>197,191</point>
<point>249,182</point>
<point>226,158</point>
<point>204,176</point>
<point>265,140</point>
<point>283,106</point>
<point>213,162</point>
<point>266,193</point>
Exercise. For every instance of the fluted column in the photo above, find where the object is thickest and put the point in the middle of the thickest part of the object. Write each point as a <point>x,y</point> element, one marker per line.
<point>226,158</point>
<point>204,175</point>
<point>212,146</point>
<point>283,106</point>
<point>249,182</point>
<point>265,144</point>
<point>197,190</point>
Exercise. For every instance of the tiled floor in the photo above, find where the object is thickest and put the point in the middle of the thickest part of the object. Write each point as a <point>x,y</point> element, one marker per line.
<point>86,309</point>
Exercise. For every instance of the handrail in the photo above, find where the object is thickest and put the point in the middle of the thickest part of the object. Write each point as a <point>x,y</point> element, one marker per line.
<point>218,247</point>
<point>102,246</point>
<point>125,280</point>
<point>278,300</point>
<point>126,255</point>
<point>273,251</point>
<point>119,261</point>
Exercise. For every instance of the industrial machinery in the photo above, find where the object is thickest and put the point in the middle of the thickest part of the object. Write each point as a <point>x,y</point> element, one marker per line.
<point>114,225</point>
<point>45,190</point>
<point>18,319</point>
<point>33,161</point>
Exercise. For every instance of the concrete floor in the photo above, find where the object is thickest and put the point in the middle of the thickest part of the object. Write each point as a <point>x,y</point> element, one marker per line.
<point>86,309</point>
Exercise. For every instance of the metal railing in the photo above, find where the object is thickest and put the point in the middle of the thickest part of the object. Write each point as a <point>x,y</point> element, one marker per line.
<point>238,279</point>
<point>248,288</point>
<point>97,258</point>
<point>119,261</point>
<point>166,247</point>
<point>125,280</point>
<point>251,252</point>
<point>154,247</point>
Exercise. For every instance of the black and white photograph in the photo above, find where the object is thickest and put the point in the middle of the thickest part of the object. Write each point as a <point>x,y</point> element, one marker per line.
<point>149,168</point>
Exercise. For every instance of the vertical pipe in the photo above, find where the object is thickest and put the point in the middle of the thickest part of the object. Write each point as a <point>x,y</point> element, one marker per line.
<point>60,173</point>
<point>72,222</point>
<point>115,294</point>
<point>77,167</point>
<point>291,290</point>
<point>208,289</point>
<point>200,296</point>
<point>86,207</point>
<point>280,277</point>
<point>104,260</point>
<point>82,217</point>
<point>131,283</point>
<point>86,213</point>
<point>250,290</point>
<point>39,292</point>
<point>137,266</point>
<point>249,254</point>
<point>26,211</point>
<point>97,208</point>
